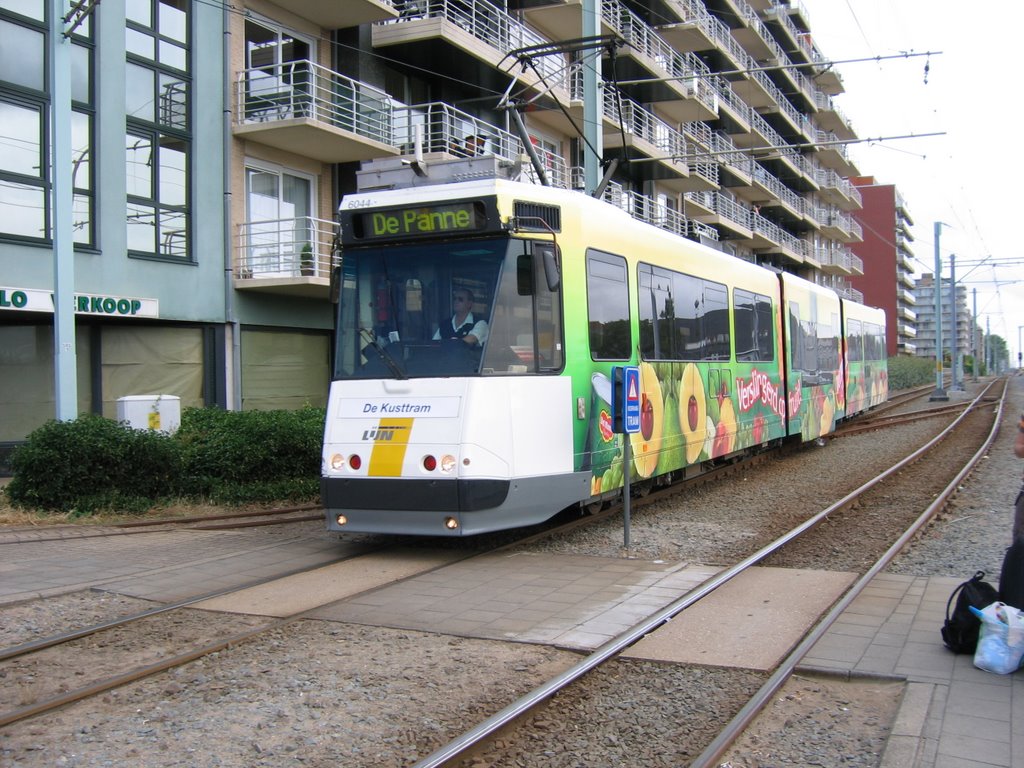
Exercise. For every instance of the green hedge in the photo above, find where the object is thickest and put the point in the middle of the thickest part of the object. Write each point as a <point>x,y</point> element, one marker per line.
<point>230,457</point>
<point>906,372</point>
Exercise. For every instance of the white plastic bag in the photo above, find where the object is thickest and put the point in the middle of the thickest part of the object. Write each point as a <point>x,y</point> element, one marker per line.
<point>1001,642</point>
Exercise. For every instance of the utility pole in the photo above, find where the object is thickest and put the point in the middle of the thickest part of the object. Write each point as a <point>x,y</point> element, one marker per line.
<point>954,337</point>
<point>939,393</point>
<point>592,103</point>
<point>974,333</point>
<point>65,365</point>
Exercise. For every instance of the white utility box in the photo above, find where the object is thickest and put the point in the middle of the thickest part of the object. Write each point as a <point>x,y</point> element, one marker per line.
<point>157,412</point>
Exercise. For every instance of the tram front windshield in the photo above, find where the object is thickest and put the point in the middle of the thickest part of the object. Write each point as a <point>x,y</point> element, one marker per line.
<point>449,308</point>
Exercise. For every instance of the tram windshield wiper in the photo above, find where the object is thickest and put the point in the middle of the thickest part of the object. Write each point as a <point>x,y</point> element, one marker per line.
<point>383,353</point>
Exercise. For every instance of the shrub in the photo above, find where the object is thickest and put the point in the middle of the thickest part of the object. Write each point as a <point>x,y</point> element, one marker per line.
<point>906,372</point>
<point>92,463</point>
<point>249,447</point>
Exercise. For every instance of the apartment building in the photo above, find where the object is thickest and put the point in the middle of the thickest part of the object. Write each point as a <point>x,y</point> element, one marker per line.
<point>886,254</point>
<point>924,292</point>
<point>212,144</point>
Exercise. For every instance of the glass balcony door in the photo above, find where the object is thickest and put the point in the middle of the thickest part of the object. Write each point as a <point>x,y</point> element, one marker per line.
<point>278,84</point>
<point>279,209</point>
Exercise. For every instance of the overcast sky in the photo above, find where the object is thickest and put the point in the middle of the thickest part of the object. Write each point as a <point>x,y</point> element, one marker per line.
<point>971,178</point>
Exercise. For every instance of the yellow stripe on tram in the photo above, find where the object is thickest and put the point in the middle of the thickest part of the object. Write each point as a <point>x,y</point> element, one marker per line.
<point>389,446</point>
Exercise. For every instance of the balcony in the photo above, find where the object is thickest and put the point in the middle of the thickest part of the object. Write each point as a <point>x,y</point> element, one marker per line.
<point>780,242</point>
<point>657,152</point>
<point>905,313</point>
<point>475,38</point>
<point>654,73</point>
<point>285,256</point>
<point>831,152</point>
<point>831,118</point>
<point>647,209</point>
<point>307,109</point>
<point>444,129</point>
<point>731,218</point>
<point>351,13</point>
<point>557,19</point>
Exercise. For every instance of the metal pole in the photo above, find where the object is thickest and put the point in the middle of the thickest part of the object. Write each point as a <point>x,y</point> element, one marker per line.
<point>974,333</point>
<point>64,353</point>
<point>626,467</point>
<point>939,393</point>
<point>592,103</point>
<point>954,337</point>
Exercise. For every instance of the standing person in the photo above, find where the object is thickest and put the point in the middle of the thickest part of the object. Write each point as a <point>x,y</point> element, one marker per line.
<point>462,325</point>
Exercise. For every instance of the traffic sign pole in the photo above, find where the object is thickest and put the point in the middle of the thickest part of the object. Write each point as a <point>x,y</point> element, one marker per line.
<point>625,490</point>
<point>626,420</point>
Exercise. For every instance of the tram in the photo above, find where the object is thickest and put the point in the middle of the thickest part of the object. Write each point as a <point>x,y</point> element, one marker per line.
<point>478,322</point>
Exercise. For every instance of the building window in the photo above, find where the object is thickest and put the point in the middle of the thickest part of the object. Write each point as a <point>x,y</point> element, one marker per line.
<point>25,177</point>
<point>158,137</point>
<point>157,177</point>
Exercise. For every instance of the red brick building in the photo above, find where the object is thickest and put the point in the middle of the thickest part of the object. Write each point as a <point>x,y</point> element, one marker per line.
<point>887,281</point>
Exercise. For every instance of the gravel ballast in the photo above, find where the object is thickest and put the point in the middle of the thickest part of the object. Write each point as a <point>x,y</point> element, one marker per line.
<point>319,694</point>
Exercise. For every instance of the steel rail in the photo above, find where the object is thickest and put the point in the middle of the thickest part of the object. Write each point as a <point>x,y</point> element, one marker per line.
<point>721,743</point>
<point>177,523</point>
<point>461,744</point>
<point>14,651</point>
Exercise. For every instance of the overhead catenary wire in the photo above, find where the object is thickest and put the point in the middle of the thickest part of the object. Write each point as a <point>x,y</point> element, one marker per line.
<point>778,67</point>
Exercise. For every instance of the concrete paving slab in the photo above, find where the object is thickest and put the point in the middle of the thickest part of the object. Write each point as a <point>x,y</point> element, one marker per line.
<point>304,591</point>
<point>573,601</point>
<point>751,622</point>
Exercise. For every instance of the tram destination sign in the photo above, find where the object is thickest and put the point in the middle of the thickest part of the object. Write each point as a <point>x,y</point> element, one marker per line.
<point>431,220</point>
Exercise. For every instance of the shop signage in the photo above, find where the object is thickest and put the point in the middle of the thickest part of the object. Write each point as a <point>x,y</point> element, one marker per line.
<point>32,300</point>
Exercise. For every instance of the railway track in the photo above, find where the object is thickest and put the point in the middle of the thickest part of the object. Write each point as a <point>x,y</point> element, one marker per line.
<point>233,639</point>
<point>222,521</point>
<point>513,723</point>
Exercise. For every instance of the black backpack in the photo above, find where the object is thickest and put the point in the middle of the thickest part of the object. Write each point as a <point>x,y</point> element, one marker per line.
<point>960,631</point>
<point>1011,579</point>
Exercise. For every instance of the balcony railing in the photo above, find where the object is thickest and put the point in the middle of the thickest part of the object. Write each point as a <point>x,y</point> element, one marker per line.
<point>490,25</point>
<point>304,89</point>
<point>686,68</point>
<point>285,248</point>
<point>443,128</point>
<point>635,119</point>
<point>724,206</point>
<point>649,210</point>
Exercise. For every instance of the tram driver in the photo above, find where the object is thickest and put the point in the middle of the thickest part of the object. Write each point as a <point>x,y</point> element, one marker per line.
<point>463,326</point>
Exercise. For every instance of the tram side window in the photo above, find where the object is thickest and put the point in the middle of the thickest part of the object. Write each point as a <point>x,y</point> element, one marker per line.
<point>682,317</point>
<point>717,343</point>
<point>608,306</point>
<point>854,341</point>
<point>875,342</point>
<point>752,320</point>
<point>828,341</point>
<point>803,340</point>
<point>659,330</point>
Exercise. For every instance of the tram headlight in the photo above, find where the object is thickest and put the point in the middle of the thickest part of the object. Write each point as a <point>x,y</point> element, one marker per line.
<point>341,520</point>
<point>451,523</point>
<point>337,461</point>
<point>448,463</point>
<point>354,461</point>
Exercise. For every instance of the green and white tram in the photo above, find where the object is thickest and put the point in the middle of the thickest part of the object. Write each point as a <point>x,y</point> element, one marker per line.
<point>459,417</point>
